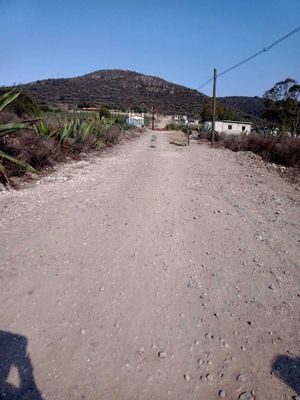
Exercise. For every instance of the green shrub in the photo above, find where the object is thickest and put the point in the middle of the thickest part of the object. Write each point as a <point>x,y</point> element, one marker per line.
<point>84,104</point>
<point>104,113</point>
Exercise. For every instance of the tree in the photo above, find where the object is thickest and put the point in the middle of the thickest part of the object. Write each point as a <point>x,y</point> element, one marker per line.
<point>227,114</point>
<point>137,109</point>
<point>84,104</point>
<point>104,113</point>
<point>221,112</point>
<point>282,105</point>
<point>283,90</point>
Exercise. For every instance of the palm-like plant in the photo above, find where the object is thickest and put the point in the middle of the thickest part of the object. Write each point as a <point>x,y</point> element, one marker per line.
<point>8,128</point>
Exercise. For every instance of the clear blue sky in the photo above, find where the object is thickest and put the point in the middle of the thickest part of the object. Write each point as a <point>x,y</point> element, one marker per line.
<point>180,41</point>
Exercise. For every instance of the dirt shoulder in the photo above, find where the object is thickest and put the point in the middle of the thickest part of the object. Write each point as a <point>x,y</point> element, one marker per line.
<point>154,272</point>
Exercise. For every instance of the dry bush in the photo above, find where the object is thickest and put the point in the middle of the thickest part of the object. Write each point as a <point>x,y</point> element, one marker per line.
<point>113,135</point>
<point>30,147</point>
<point>231,142</point>
<point>284,151</point>
<point>8,116</point>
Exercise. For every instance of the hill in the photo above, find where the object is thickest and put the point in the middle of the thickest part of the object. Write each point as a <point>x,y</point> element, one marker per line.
<point>120,90</point>
<point>124,90</point>
<point>244,106</point>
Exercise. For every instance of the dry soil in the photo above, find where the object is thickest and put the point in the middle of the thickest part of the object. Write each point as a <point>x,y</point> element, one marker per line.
<point>153,272</point>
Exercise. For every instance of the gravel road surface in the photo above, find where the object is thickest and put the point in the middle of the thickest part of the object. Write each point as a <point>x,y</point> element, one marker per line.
<point>152,272</point>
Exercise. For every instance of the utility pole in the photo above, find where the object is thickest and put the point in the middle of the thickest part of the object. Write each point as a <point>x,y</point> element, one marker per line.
<point>214,108</point>
<point>153,117</point>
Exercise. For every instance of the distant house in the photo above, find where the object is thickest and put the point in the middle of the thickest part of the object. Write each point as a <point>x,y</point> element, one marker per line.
<point>230,127</point>
<point>89,109</point>
<point>182,118</point>
<point>193,121</point>
<point>135,121</point>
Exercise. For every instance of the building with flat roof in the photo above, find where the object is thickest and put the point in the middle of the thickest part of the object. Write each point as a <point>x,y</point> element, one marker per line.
<point>135,121</point>
<point>230,127</point>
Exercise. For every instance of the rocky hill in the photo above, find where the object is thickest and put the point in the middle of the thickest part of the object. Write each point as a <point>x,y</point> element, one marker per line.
<point>124,90</point>
<point>118,89</point>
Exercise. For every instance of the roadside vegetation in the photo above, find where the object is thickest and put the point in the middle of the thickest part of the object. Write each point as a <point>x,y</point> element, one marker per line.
<point>32,139</point>
<point>174,126</point>
<point>282,150</point>
<point>278,139</point>
<point>278,149</point>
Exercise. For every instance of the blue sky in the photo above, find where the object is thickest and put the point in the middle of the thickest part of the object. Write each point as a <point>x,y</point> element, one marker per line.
<point>180,41</point>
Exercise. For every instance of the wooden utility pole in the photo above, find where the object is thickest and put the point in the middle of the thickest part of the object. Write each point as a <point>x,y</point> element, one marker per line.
<point>214,108</point>
<point>153,117</point>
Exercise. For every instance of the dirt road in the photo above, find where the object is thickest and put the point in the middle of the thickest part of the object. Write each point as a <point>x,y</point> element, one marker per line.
<point>154,272</point>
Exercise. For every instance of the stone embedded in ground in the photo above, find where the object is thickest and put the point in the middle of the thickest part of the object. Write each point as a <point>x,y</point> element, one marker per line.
<point>187,377</point>
<point>209,335</point>
<point>241,378</point>
<point>246,396</point>
<point>162,354</point>
<point>222,394</point>
<point>210,377</point>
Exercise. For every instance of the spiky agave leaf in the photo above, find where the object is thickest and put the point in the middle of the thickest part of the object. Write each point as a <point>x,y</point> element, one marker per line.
<point>7,98</point>
<point>42,129</point>
<point>11,127</point>
<point>86,129</point>
<point>68,131</point>
<point>54,133</point>
<point>14,160</point>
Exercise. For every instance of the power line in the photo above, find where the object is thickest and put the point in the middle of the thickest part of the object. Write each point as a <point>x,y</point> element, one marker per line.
<point>265,49</point>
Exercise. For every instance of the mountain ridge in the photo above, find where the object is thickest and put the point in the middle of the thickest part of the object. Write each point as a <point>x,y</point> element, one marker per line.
<point>125,89</point>
<point>120,89</point>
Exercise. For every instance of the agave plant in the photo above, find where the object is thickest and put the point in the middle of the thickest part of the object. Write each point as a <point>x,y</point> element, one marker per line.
<point>42,129</point>
<point>8,128</point>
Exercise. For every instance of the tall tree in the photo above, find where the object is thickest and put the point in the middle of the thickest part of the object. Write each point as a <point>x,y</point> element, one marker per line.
<point>221,112</point>
<point>282,102</point>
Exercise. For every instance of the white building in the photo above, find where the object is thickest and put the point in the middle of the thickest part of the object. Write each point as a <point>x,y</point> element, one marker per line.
<point>182,118</point>
<point>230,127</point>
<point>135,121</point>
<point>193,121</point>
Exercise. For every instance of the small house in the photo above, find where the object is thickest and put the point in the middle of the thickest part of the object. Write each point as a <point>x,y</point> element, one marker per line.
<point>193,121</point>
<point>230,127</point>
<point>134,120</point>
<point>181,118</point>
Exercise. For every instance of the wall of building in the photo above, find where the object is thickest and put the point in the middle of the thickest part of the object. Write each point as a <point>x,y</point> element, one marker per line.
<point>136,121</point>
<point>223,127</point>
<point>236,128</point>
